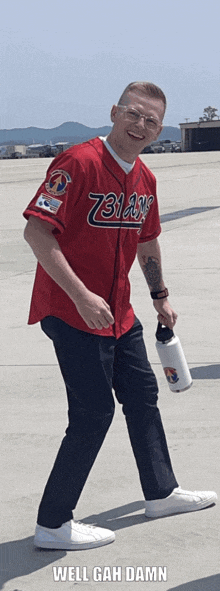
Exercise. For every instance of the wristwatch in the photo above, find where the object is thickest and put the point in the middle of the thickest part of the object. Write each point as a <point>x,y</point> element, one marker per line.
<point>159,295</point>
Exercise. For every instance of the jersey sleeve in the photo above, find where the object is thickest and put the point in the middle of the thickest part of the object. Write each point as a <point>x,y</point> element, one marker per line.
<point>151,227</point>
<point>56,196</point>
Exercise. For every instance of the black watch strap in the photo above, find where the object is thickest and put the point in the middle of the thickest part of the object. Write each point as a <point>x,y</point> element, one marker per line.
<point>159,295</point>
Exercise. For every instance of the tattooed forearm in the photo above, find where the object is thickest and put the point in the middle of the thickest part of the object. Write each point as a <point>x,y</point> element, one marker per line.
<point>152,272</point>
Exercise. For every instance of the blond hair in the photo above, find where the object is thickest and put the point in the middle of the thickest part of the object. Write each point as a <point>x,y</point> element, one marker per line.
<point>147,88</point>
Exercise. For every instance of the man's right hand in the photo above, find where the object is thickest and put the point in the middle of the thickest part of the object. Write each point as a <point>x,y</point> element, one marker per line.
<point>95,312</point>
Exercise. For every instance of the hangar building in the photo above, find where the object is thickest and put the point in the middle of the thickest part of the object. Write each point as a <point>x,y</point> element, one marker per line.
<point>201,136</point>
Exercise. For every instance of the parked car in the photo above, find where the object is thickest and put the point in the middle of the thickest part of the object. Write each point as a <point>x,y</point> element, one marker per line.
<point>159,149</point>
<point>48,152</point>
<point>147,150</point>
<point>15,155</point>
<point>176,148</point>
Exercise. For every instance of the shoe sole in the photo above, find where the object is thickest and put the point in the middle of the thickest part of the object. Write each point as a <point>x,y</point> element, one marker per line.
<point>71,546</point>
<point>164,513</point>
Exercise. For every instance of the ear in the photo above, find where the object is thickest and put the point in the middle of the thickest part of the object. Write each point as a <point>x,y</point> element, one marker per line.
<point>159,132</point>
<point>113,113</point>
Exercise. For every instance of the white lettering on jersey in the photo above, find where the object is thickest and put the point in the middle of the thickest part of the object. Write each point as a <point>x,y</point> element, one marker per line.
<point>109,208</point>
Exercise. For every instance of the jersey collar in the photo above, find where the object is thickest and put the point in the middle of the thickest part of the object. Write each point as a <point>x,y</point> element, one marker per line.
<point>111,163</point>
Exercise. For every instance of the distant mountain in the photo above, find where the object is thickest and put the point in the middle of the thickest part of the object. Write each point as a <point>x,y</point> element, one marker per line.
<point>67,132</point>
<point>170,133</point>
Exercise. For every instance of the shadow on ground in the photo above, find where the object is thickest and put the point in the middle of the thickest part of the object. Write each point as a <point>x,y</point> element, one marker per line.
<point>20,558</point>
<point>119,517</point>
<point>208,584</point>
<point>122,517</point>
<point>182,213</point>
<point>206,372</point>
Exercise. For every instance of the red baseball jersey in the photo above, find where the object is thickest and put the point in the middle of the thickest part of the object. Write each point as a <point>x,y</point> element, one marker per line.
<point>99,214</point>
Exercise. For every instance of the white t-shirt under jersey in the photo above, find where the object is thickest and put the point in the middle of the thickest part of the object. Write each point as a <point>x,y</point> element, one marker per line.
<point>127,166</point>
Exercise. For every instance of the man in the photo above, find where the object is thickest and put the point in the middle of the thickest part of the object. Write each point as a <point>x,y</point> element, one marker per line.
<point>96,209</point>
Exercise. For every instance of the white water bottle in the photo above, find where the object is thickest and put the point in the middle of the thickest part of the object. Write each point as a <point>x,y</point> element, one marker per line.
<point>173,359</point>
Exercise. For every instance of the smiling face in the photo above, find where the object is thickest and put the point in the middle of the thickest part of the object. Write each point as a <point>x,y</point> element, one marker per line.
<point>128,138</point>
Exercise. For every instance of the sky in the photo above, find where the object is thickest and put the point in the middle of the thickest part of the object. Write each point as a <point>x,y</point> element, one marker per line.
<point>70,60</point>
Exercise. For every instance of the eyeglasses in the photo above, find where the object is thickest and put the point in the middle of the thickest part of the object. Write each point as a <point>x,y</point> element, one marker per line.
<point>134,116</point>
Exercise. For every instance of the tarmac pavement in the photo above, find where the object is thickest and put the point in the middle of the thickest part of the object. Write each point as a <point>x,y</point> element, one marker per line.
<point>34,412</point>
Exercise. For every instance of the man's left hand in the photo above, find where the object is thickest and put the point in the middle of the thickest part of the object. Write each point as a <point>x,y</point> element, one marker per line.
<point>166,314</point>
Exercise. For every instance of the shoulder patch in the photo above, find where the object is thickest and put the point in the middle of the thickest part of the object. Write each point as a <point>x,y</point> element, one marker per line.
<point>58,181</point>
<point>48,203</point>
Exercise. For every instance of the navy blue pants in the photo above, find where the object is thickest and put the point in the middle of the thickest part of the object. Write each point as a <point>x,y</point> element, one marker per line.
<point>91,367</point>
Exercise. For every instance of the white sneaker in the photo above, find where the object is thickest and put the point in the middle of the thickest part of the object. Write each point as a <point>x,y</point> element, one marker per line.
<point>72,535</point>
<point>180,501</point>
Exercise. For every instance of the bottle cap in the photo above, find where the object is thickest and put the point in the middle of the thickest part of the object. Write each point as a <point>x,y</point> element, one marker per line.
<point>164,333</point>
